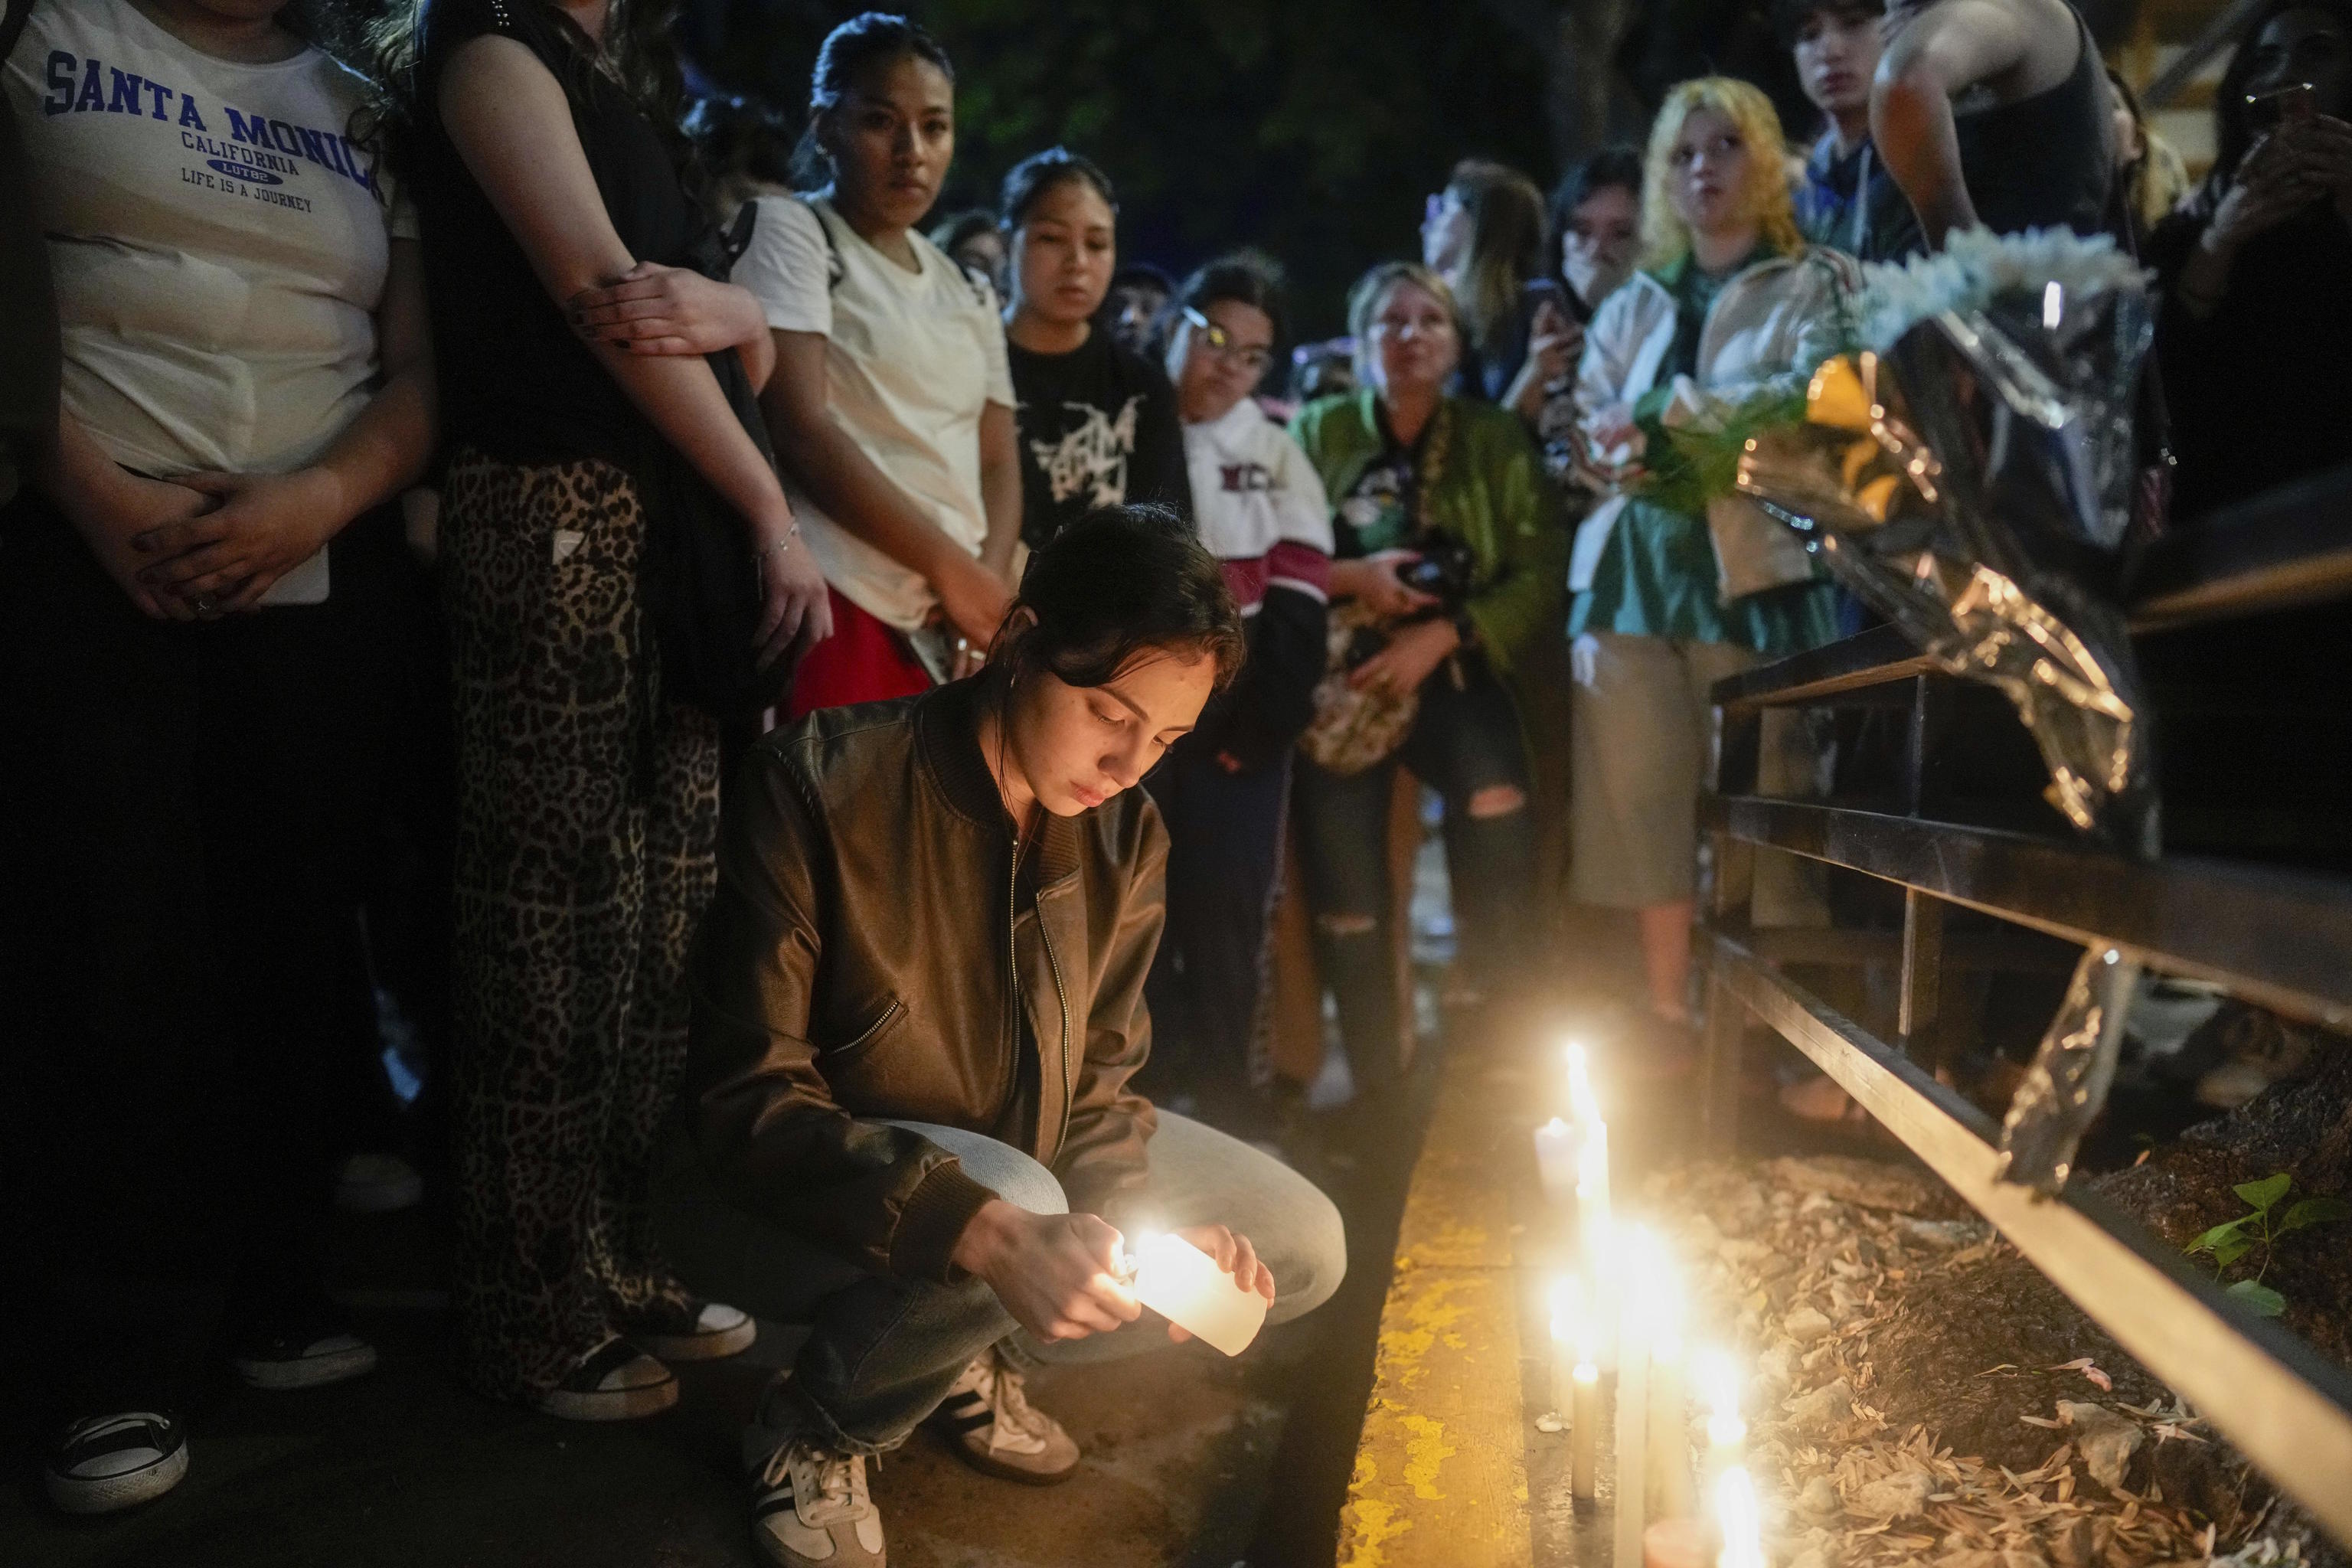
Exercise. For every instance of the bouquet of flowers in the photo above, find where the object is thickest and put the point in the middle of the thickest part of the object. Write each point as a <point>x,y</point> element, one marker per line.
<point>1967,470</point>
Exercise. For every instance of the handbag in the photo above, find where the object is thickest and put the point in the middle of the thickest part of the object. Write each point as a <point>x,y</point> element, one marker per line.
<point>699,577</point>
<point>1354,730</point>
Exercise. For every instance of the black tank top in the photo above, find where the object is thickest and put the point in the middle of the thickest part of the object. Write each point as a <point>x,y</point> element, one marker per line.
<point>2041,161</point>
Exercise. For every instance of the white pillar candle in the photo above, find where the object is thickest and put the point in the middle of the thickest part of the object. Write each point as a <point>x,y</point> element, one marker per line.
<point>1576,1382</point>
<point>1556,1143</point>
<point>1184,1285</point>
<point>1632,1399</point>
<point>1738,1521</point>
<point>1584,1432</point>
<point>1670,1456</point>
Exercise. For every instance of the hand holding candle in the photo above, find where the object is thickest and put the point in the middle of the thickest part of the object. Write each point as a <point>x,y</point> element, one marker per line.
<point>1204,1281</point>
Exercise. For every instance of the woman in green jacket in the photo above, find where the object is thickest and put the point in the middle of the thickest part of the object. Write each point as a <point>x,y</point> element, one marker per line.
<point>1448,561</point>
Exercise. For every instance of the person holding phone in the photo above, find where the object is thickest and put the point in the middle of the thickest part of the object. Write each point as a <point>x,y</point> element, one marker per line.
<point>2256,269</point>
<point>918,1008</point>
<point>1596,221</point>
<point>1484,233</point>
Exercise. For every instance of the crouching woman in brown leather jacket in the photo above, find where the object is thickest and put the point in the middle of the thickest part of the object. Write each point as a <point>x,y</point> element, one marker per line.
<point>917,1002</point>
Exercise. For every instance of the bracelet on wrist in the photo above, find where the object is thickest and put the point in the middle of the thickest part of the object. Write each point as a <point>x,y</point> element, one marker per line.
<point>781,543</point>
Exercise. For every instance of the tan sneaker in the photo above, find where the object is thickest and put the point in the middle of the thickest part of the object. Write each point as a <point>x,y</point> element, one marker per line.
<point>988,1417</point>
<point>810,1510</point>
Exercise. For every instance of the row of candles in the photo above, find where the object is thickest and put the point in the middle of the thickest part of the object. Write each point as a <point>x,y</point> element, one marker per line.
<point>1625,1307</point>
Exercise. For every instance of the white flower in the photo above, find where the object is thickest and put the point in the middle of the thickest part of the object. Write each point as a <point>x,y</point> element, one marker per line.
<point>1978,265</point>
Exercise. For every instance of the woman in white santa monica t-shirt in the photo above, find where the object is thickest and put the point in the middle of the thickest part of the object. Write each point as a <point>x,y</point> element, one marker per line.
<point>891,405</point>
<point>187,690</point>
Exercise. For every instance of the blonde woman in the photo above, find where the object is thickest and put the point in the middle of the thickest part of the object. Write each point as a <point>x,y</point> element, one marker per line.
<point>1729,300</point>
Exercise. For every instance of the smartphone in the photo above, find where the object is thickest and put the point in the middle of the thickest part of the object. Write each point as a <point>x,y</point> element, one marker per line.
<point>2295,102</point>
<point>1542,291</point>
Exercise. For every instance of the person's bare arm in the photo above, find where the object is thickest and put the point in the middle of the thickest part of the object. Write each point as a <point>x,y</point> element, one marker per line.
<point>856,494</point>
<point>1930,56</point>
<point>267,524</point>
<point>1000,487</point>
<point>507,115</point>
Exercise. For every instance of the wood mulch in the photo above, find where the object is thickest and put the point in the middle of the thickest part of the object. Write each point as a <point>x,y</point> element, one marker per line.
<point>1921,1395</point>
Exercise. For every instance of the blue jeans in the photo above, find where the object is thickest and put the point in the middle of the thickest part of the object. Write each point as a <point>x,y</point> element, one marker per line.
<point>883,1353</point>
<point>1465,739</point>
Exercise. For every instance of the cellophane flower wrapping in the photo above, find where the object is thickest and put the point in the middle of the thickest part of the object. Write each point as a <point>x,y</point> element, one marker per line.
<point>1967,472</point>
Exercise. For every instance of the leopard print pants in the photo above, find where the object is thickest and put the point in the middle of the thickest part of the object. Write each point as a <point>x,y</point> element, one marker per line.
<point>588,823</point>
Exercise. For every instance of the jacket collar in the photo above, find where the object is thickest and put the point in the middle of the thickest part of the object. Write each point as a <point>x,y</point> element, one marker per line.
<point>947,733</point>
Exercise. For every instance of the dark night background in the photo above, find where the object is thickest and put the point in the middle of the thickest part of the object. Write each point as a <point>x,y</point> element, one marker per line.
<point>1311,129</point>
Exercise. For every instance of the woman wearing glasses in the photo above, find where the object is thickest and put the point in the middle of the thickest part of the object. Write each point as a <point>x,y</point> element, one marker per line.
<point>1261,511</point>
<point>1097,420</point>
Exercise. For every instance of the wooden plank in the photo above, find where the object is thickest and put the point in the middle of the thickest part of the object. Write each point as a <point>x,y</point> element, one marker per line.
<point>1441,1476</point>
<point>2279,938</point>
<point>2287,1409</point>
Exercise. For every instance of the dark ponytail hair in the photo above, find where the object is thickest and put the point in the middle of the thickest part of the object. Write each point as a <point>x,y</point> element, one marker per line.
<point>1039,173</point>
<point>1244,275</point>
<point>848,57</point>
<point>1120,584</point>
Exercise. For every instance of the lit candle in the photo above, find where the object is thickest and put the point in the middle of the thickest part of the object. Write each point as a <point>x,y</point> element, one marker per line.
<point>1184,1285</point>
<point>1576,1383</point>
<point>1669,1468</point>
<point>1556,1163</point>
<point>1584,1432</point>
<point>1592,1197</point>
<point>1718,1377</point>
<point>1634,1397</point>
<point>1581,1103</point>
<point>1738,1521</point>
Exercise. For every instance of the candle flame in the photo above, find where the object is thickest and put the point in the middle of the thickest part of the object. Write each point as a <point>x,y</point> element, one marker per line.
<point>1581,1103</point>
<point>1572,1315</point>
<point>1739,1520</point>
<point>1592,1158</point>
<point>1717,1376</point>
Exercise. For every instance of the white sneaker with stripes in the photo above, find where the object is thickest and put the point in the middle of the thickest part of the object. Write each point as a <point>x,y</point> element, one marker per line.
<point>810,1510</point>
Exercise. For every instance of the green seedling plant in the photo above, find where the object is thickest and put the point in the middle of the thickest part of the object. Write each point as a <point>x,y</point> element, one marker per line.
<point>2261,1230</point>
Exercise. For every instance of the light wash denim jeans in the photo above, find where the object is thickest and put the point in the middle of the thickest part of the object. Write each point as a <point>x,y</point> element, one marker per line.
<point>883,1353</point>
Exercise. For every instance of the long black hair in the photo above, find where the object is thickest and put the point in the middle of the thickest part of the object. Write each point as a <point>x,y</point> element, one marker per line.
<point>2233,130</point>
<point>1121,582</point>
<point>847,58</point>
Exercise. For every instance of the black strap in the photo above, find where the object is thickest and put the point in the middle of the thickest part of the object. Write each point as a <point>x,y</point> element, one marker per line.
<point>14,14</point>
<point>835,270</point>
